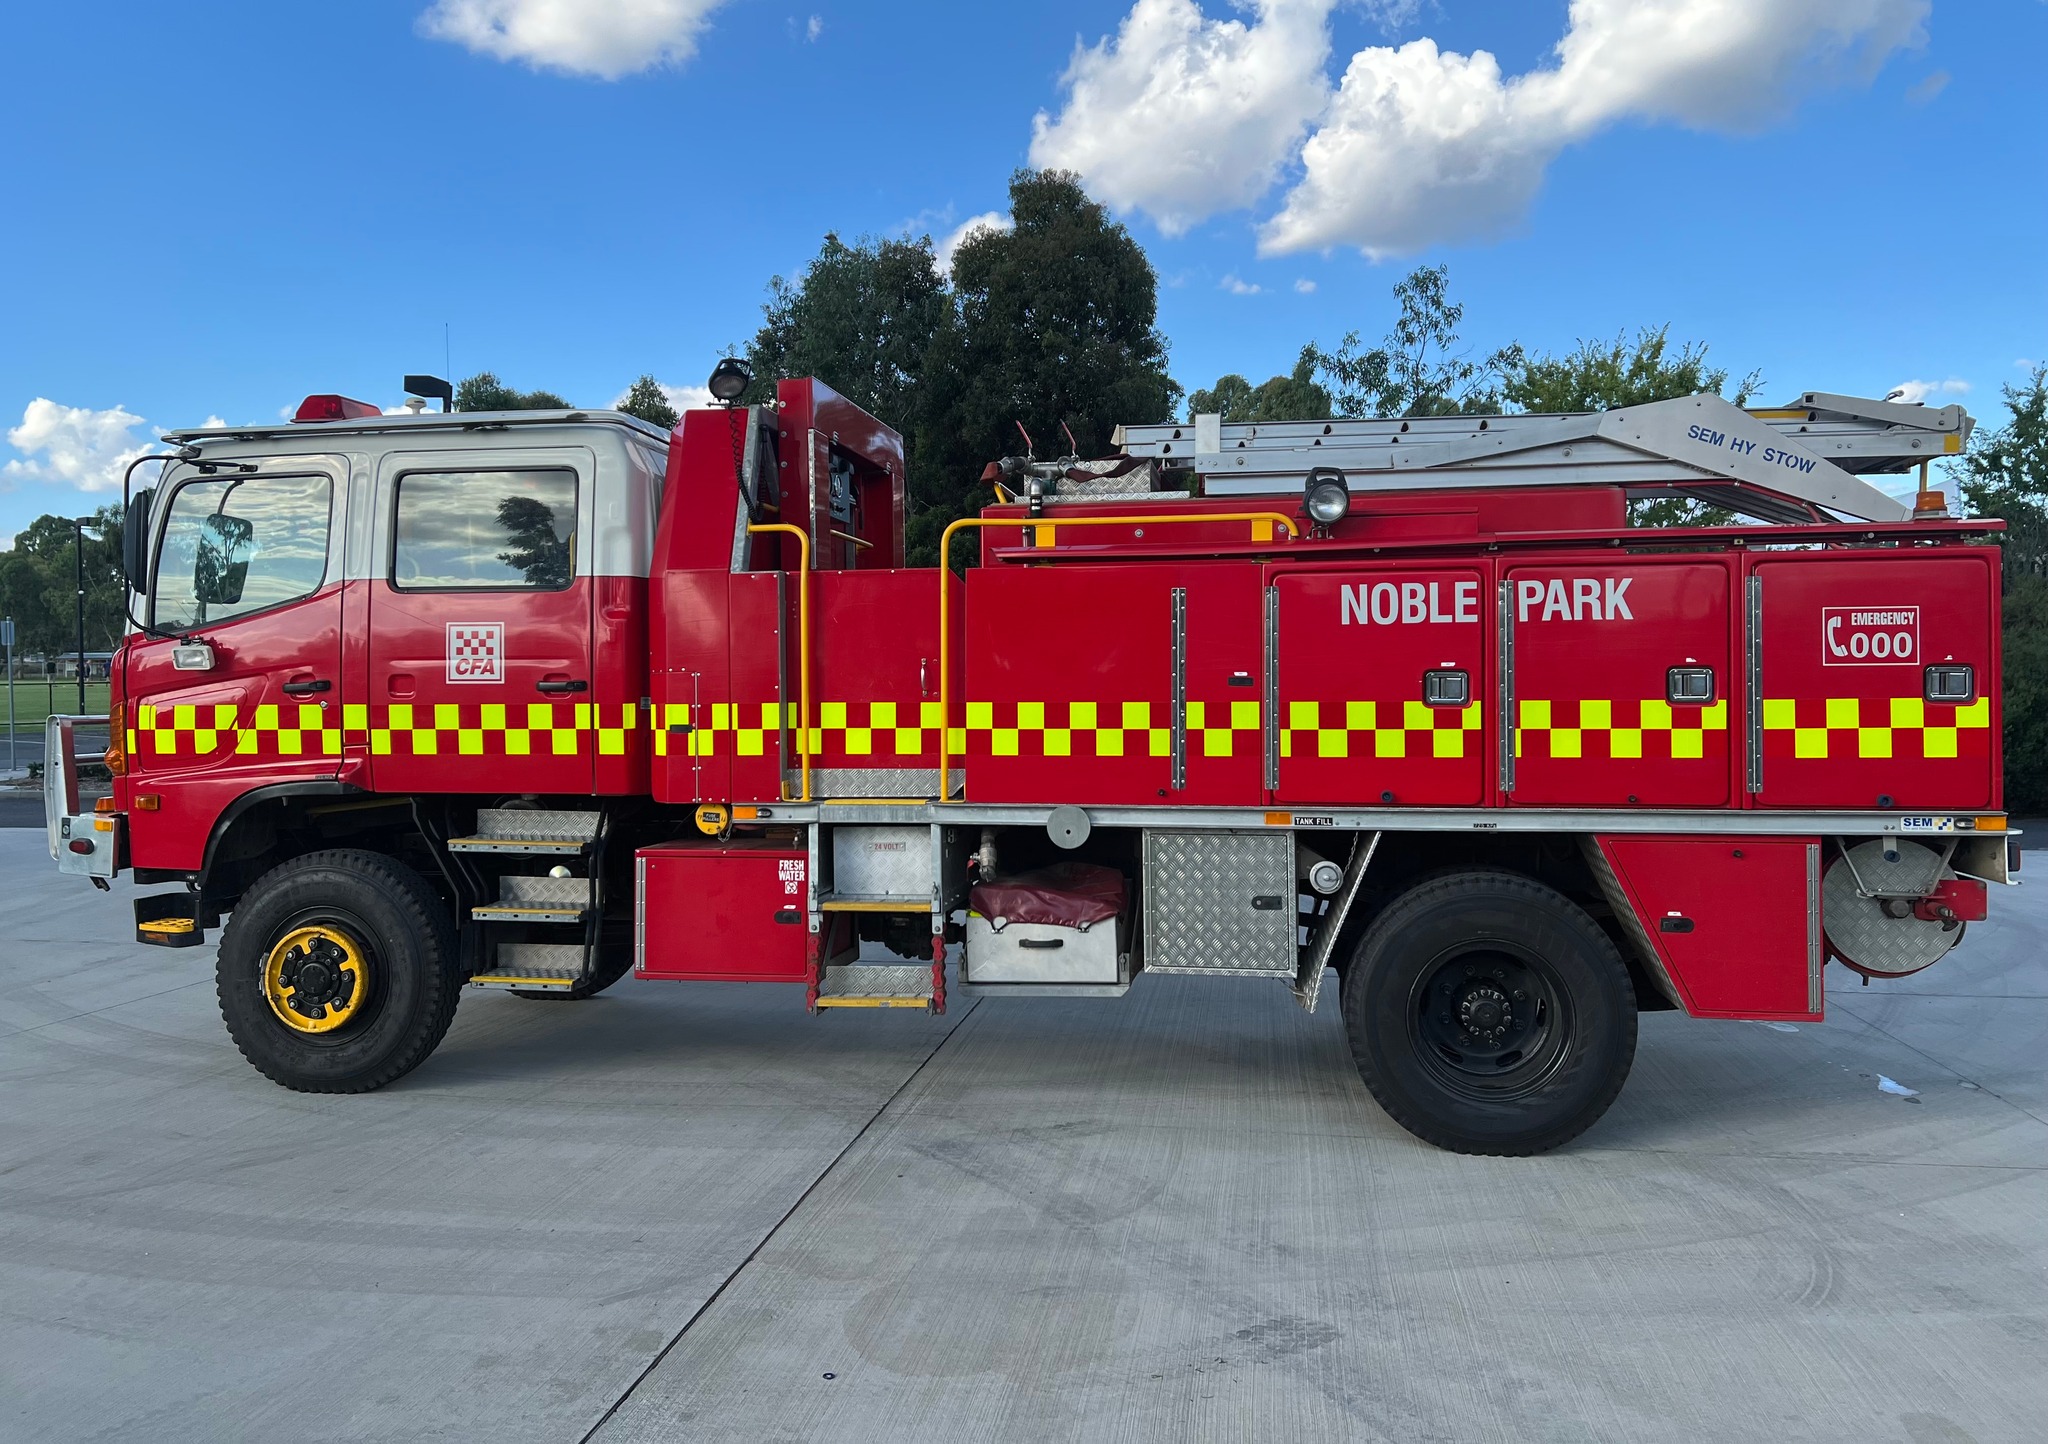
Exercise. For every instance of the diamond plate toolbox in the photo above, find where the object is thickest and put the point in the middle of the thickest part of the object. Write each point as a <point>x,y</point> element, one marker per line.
<point>1220,902</point>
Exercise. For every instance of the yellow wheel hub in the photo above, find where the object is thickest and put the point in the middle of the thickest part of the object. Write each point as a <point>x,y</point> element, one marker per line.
<point>316,978</point>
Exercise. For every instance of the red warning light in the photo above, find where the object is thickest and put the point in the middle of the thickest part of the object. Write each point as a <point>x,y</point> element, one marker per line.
<point>335,408</point>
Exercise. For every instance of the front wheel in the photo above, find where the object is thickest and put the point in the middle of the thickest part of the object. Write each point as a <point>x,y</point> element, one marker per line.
<point>338,972</point>
<point>1490,1014</point>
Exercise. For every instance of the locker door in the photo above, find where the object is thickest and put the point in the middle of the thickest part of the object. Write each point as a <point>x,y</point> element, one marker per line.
<point>1602,655</point>
<point>1849,714</point>
<point>1381,692</point>
<point>1106,684</point>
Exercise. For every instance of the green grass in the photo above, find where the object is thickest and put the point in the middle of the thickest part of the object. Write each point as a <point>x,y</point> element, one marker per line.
<point>35,701</point>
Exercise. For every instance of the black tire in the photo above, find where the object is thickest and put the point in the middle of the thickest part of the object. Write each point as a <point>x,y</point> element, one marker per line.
<point>1490,1014</point>
<point>408,945</point>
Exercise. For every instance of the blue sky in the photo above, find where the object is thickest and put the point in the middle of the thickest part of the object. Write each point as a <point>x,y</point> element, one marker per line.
<point>217,208</point>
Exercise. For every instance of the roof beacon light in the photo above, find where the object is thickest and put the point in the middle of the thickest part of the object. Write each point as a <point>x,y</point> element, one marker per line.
<point>335,408</point>
<point>1327,497</point>
<point>730,379</point>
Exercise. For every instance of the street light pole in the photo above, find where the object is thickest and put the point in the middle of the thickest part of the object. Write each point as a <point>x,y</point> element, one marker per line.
<point>78,551</point>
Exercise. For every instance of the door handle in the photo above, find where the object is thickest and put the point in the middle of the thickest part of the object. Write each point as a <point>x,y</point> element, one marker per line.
<point>307,689</point>
<point>563,686</point>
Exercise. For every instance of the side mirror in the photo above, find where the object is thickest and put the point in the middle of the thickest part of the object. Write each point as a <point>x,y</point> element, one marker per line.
<point>135,542</point>
<point>221,566</point>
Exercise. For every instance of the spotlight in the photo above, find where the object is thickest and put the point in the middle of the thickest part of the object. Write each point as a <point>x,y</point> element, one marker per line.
<point>730,380</point>
<point>1327,498</point>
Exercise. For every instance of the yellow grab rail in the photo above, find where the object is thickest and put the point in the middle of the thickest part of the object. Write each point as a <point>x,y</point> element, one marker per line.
<point>946,575</point>
<point>803,632</point>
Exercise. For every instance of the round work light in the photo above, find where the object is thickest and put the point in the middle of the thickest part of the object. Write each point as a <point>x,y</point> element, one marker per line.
<point>730,380</point>
<point>1327,498</point>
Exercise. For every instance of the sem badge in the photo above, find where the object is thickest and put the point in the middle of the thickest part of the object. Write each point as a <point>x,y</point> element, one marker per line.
<point>476,651</point>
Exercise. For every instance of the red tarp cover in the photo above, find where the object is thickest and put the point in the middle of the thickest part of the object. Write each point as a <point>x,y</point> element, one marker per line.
<point>1065,895</point>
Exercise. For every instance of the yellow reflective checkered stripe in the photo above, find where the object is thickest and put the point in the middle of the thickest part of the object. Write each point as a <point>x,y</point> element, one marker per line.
<point>185,729</point>
<point>1113,729</point>
<point>1388,725</point>
<point>442,729</point>
<point>859,729</point>
<point>1653,716</point>
<point>1009,729</point>
<point>1821,727</point>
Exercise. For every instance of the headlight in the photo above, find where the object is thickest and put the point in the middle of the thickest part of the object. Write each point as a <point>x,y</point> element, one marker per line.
<point>1327,499</point>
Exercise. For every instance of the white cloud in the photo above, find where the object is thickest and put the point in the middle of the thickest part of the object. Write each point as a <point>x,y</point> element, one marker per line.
<point>1184,117</point>
<point>1912,391</point>
<point>606,39</point>
<point>986,221</point>
<point>683,398</point>
<point>1422,146</point>
<point>1924,91</point>
<point>1305,286</point>
<point>1181,116</point>
<point>74,445</point>
<point>813,28</point>
<point>1238,287</point>
<point>687,398</point>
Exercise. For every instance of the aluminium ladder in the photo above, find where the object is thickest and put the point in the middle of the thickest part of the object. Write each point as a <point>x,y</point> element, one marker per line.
<point>1793,463</point>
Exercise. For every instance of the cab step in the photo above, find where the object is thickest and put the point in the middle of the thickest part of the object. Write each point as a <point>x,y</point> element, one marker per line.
<point>533,965</point>
<point>524,899</point>
<point>530,832</point>
<point>876,985</point>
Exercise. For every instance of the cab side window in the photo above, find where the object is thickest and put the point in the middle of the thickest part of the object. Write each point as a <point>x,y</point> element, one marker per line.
<point>233,545</point>
<point>485,530</point>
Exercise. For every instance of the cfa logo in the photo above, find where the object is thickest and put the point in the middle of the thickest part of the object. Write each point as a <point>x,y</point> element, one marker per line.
<point>476,651</point>
<point>1869,636</point>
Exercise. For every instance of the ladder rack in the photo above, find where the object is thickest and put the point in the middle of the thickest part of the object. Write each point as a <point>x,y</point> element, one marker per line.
<point>1786,463</point>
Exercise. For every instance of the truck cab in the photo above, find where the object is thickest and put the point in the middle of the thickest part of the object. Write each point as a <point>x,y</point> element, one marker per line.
<point>401,605</point>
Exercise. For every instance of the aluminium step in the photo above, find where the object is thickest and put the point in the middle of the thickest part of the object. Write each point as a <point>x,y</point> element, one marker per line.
<point>533,965</point>
<point>833,902</point>
<point>526,899</point>
<point>876,985</point>
<point>530,832</point>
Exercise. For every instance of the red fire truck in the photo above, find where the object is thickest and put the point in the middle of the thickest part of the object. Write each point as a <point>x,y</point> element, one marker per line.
<point>529,700</point>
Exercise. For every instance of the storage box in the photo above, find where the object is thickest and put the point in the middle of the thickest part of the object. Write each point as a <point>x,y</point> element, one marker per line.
<point>1067,924</point>
<point>725,912</point>
<point>1045,953</point>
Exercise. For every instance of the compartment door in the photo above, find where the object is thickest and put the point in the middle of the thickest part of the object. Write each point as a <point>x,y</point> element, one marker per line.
<point>1115,684</point>
<point>1381,697</point>
<point>1597,652</point>
<point>1845,717</point>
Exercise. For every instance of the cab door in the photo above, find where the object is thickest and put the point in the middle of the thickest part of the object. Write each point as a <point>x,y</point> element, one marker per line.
<point>480,623</point>
<point>245,593</point>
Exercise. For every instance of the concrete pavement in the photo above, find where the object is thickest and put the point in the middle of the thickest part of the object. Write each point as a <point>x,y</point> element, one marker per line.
<point>690,1212</point>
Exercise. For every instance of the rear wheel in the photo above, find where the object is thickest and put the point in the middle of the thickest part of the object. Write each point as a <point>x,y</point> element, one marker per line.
<point>337,972</point>
<point>1490,1014</point>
